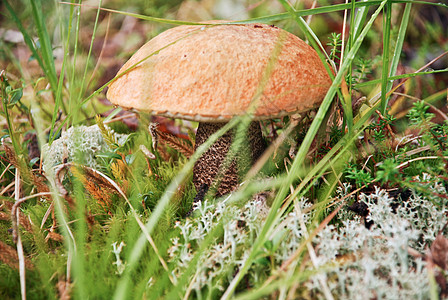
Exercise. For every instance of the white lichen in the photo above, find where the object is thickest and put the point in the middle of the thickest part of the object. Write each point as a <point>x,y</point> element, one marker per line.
<point>355,262</point>
<point>80,144</point>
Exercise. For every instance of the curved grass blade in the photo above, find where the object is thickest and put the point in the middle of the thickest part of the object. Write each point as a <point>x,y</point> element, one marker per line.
<point>300,157</point>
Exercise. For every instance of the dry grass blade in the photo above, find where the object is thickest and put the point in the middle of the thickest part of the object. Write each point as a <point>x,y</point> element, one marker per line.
<point>19,246</point>
<point>22,220</point>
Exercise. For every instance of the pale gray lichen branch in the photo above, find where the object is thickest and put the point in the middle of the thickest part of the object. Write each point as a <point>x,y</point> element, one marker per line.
<point>77,142</point>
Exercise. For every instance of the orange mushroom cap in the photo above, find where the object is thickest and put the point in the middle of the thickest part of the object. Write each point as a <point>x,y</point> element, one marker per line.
<point>212,73</point>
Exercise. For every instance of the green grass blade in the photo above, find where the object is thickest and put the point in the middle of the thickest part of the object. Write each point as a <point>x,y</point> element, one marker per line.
<point>73,78</point>
<point>317,45</point>
<point>81,89</point>
<point>399,43</point>
<point>123,285</point>
<point>271,18</point>
<point>27,38</point>
<point>59,101</point>
<point>387,16</point>
<point>300,157</point>
<point>402,76</point>
<point>45,43</point>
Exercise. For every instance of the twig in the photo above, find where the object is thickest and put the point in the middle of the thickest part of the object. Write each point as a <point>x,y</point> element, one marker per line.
<point>5,170</point>
<point>131,115</point>
<point>441,113</point>
<point>47,214</point>
<point>7,188</point>
<point>406,163</point>
<point>20,253</point>
<point>15,213</point>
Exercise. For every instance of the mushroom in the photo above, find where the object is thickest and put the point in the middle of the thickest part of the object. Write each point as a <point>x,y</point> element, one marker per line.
<point>210,74</point>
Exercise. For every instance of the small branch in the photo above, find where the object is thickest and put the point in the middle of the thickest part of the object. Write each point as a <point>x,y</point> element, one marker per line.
<point>20,253</point>
<point>15,213</point>
<point>406,163</point>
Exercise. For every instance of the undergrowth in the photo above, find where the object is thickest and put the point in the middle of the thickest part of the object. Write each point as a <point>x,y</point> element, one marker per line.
<point>349,202</point>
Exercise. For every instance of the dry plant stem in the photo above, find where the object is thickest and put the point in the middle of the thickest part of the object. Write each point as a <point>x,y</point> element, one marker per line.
<point>15,213</point>
<point>9,186</point>
<point>378,96</point>
<point>19,241</point>
<point>336,175</point>
<point>292,292</point>
<point>308,19</point>
<point>406,163</point>
<point>120,118</point>
<point>389,129</point>
<point>47,214</point>
<point>58,179</point>
<point>441,113</point>
<point>190,287</point>
<point>310,238</point>
<point>140,223</point>
<point>148,155</point>
<point>69,268</point>
<point>283,290</point>
<point>5,170</point>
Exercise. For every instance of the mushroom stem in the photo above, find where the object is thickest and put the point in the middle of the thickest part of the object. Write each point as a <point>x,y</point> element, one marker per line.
<point>209,165</point>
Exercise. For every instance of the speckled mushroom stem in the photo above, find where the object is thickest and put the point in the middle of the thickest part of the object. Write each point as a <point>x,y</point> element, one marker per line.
<point>209,164</point>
